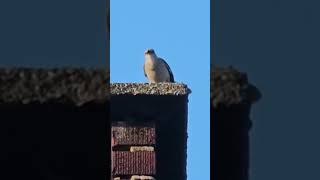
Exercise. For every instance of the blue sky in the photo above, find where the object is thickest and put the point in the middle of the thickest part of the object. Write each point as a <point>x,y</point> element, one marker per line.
<point>179,31</point>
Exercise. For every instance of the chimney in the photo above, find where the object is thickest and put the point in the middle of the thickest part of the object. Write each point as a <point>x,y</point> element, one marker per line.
<point>149,130</point>
<point>231,99</point>
<point>54,123</point>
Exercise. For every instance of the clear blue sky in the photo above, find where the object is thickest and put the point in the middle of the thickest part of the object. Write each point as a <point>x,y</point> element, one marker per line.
<point>179,31</point>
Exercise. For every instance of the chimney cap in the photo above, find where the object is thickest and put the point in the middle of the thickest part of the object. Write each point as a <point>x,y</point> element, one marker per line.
<point>175,89</point>
<point>230,87</point>
<point>75,86</point>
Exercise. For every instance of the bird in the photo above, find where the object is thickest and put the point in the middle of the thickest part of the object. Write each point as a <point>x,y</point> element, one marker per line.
<point>156,69</point>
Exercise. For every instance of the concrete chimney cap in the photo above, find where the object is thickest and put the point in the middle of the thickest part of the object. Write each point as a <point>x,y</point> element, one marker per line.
<point>176,89</point>
<point>230,87</point>
<point>75,86</point>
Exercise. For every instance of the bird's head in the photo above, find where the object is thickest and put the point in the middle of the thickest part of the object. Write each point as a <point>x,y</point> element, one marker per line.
<point>149,52</point>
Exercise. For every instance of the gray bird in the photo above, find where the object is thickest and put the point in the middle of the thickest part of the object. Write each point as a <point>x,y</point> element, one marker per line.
<point>156,69</point>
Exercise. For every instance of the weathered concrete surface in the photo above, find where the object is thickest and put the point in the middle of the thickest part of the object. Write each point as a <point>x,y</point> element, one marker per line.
<point>175,89</point>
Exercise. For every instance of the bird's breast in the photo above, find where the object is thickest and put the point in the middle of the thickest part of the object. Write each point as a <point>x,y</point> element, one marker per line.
<point>156,71</point>
<point>150,65</point>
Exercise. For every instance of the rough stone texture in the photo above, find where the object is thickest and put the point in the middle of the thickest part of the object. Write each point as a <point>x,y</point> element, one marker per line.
<point>230,87</point>
<point>149,89</point>
<point>67,85</point>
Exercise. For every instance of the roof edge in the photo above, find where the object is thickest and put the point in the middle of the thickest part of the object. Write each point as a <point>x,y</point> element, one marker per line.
<point>176,89</point>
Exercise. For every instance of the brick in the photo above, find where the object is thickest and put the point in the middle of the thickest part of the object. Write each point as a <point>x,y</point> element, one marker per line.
<point>118,178</point>
<point>141,148</point>
<point>131,135</point>
<point>136,177</point>
<point>132,163</point>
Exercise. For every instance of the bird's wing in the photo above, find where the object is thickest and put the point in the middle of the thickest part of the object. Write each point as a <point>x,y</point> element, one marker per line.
<point>144,70</point>
<point>168,68</point>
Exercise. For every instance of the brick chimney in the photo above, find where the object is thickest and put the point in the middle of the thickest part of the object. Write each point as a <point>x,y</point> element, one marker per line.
<point>231,99</point>
<point>149,131</point>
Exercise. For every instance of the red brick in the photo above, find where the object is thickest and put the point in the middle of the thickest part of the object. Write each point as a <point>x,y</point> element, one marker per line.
<point>131,135</point>
<point>132,163</point>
